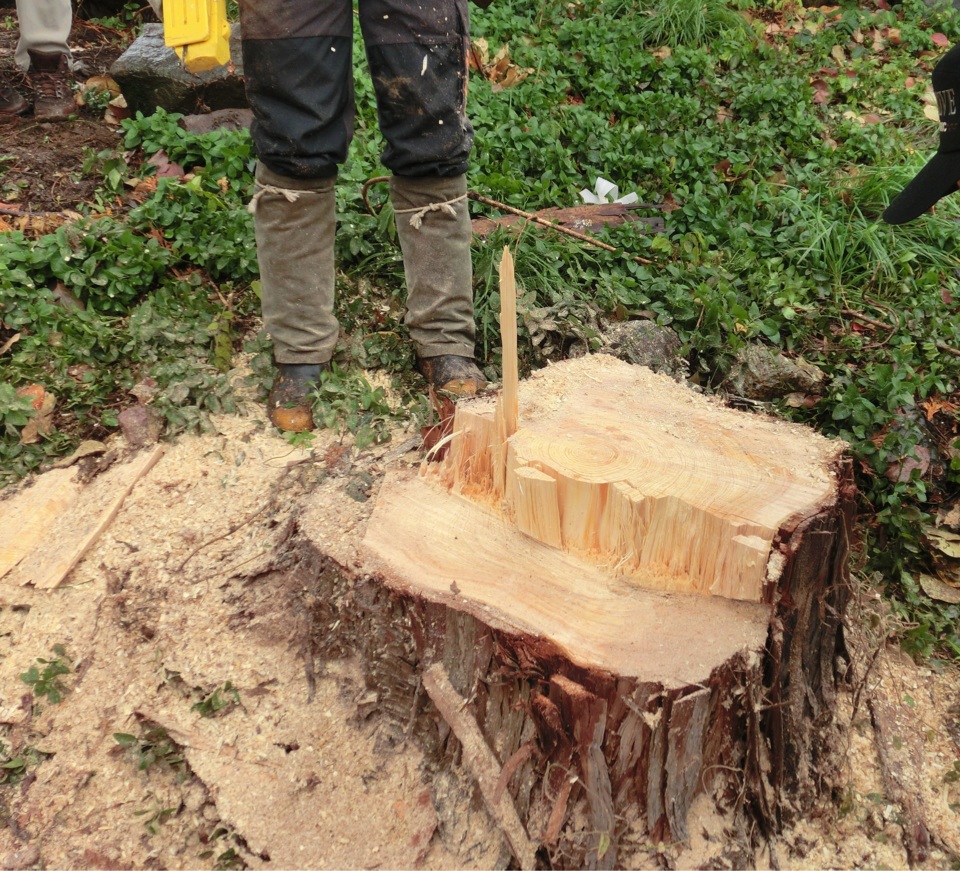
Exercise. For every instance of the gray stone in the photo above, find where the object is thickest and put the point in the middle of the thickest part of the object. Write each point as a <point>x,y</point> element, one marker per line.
<point>644,343</point>
<point>763,373</point>
<point>222,119</point>
<point>20,860</point>
<point>150,75</point>
<point>140,425</point>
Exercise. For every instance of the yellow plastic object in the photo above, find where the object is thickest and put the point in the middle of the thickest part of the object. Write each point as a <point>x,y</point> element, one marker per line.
<point>198,31</point>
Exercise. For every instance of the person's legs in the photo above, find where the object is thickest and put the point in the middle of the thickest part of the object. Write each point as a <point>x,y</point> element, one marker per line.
<point>417,58</point>
<point>44,27</point>
<point>298,75</point>
<point>42,50</point>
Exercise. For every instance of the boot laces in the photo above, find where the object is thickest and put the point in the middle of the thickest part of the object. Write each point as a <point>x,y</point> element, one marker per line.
<point>51,85</point>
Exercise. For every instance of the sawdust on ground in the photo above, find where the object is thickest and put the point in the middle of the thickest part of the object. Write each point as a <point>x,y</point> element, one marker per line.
<point>176,610</point>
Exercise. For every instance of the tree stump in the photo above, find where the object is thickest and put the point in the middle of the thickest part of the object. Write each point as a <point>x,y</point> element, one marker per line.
<point>637,596</point>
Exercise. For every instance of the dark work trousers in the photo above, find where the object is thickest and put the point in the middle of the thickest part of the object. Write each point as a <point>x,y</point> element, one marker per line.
<point>297,63</point>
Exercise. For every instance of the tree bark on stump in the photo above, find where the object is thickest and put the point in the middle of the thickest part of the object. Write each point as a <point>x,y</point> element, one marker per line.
<point>608,703</point>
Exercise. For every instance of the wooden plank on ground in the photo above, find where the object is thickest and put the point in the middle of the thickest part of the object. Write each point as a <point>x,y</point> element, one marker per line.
<point>26,518</point>
<point>75,532</point>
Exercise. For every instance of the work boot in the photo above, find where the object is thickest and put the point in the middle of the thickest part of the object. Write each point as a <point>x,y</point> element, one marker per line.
<point>452,374</point>
<point>11,103</point>
<point>289,405</point>
<point>433,226</point>
<point>50,77</point>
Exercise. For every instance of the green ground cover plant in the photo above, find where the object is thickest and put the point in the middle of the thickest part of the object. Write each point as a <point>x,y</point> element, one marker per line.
<point>773,135</point>
<point>44,678</point>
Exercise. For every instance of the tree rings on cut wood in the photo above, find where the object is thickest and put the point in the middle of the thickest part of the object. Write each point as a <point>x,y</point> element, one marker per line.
<point>640,588</point>
<point>658,484</point>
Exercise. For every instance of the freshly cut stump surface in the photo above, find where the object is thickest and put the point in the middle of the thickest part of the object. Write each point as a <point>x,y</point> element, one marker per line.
<point>660,485</point>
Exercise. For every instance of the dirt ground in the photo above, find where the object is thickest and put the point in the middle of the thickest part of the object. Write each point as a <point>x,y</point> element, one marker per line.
<point>43,162</point>
<point>199,728</point>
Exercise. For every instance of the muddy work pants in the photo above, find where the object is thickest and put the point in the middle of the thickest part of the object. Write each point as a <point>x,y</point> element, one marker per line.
<point>298,69</point>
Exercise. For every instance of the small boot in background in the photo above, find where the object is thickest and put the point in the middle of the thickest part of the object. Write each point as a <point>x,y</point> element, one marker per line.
<point>11,103</point>
<point>50,77</point>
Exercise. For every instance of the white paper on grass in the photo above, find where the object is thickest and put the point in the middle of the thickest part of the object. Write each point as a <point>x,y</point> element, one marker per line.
<point>606,192</point>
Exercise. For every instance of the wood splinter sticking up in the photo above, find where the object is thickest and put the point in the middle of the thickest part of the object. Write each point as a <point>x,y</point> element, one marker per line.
<point>508,332</point>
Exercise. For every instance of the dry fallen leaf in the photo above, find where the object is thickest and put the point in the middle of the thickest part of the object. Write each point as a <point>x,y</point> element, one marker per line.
<point>42,423</point>
<point>724,114</point>
<point>949,518</point>
<point>7,345</point>
<point>902,470</point>
<point>499,71</point>
<point>942,540</point>
<point>937,589</point>
<point>938,403</point>
<point>116,111</point>
<point>97,85</point>
<point>166,168</point>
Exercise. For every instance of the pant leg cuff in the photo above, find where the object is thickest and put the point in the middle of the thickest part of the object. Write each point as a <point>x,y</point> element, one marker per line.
<point>444,348</point>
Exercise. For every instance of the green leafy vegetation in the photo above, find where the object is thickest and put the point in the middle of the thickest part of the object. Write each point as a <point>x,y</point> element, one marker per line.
<point>15,766</point>
<point>44,677</point>
<point>226,859</point>
<point>153,746</point>
<point>223,698</point>
<point>345,401</point>
<point>772,135</point>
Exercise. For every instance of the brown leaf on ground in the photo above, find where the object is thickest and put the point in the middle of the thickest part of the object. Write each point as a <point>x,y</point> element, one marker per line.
<point>937,403</point>
<point>7,345</point>
<point>500,71</point>
<point>939,590</point>
<point>166,168</point>
<point>97,85</point>
<point>41,424</point>
<point>901,470</point>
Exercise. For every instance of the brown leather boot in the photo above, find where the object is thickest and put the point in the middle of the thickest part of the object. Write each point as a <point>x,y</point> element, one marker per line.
<point>50,77</point>
<point>452,374</point>
<point>289,405</point>
<point>11,103</point>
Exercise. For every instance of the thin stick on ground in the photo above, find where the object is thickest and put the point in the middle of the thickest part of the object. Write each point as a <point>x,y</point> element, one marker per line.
<point>483,765</point>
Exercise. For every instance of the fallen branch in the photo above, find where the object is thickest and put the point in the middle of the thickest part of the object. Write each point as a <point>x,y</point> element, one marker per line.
<point>943,346</point>
<point>530,216</point>
<point>543,222</point>
<point>482,763</point>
